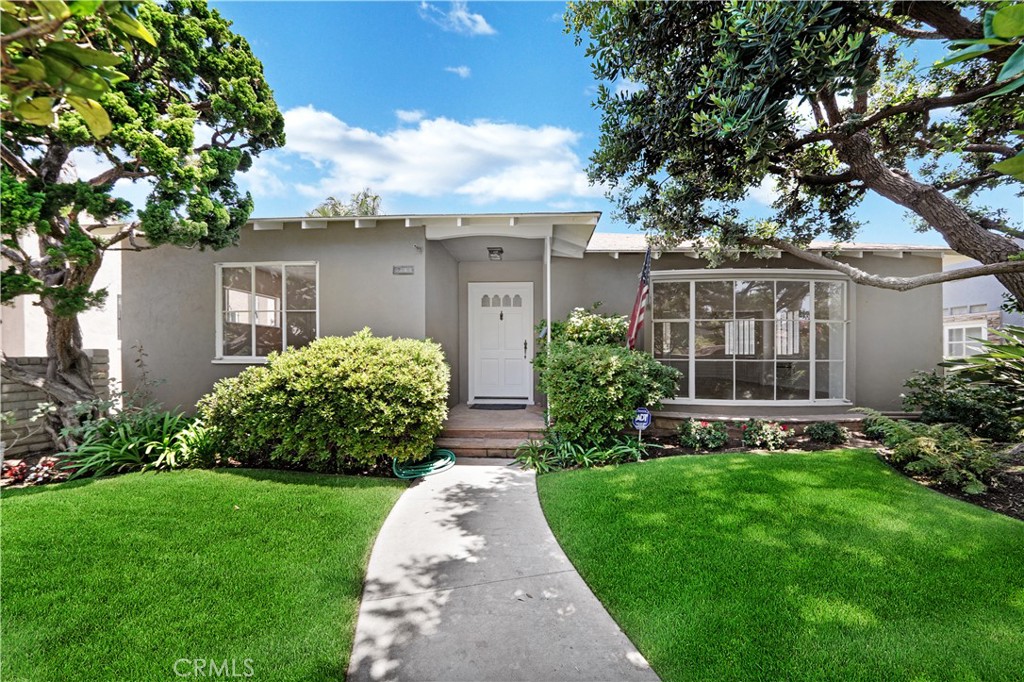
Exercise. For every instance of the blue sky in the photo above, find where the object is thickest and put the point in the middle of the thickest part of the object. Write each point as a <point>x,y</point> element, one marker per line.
<point>444,108</point>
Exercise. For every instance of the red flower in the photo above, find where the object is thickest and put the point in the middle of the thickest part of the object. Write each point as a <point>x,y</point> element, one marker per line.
<point>704,424</point>
<point>783,427</point>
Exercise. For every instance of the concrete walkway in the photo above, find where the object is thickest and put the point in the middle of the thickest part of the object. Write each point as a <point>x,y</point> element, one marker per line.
<point>466,582</point>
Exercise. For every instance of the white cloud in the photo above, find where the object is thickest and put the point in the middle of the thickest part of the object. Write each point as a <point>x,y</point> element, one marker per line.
<point>458,19</point>
<point>410,115</point>
<point>264,177</point>
<point>765,193</point>
<point>484,160</point>
<point>628,87</point>
<point>460,71</point>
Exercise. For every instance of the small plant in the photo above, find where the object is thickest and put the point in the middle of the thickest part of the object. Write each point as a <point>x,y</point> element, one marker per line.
<point>760,433</point>
<point>40,472</point>
<point>536,455</point>
<point>703,435</point>
<point>985,409</point>
<point>828,433</point>
<point>128,441</point>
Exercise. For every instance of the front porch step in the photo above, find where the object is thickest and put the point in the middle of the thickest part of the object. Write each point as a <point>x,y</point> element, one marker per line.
<point>523,434</point>
<point>481,446</point>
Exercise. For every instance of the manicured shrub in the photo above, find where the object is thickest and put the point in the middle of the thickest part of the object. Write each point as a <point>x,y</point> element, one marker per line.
<point>828,433</point>
<point>760,433</point>
<point>703,435</point>
<point>332,405</point>
<point>984,409</point>
<point>593,391</point>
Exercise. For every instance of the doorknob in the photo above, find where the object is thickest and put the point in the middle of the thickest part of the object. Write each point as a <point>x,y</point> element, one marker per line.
<point>524,349</point>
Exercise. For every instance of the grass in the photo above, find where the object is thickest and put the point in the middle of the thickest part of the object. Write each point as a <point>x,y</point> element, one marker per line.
<point>118,578</point>
<point>816,566</point>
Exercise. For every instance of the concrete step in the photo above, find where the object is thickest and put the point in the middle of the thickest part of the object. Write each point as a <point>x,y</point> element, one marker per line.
<point>492,433</point>
<point>481,447</point>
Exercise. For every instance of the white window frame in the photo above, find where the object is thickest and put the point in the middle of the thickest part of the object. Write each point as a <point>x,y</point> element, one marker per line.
<point>218,356</point>
<point>735,274</point>
<point>966,324</point>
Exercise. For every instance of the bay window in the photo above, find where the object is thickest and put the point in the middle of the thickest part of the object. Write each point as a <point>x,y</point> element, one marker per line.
<point>265,307</point>
<point>752,337</point>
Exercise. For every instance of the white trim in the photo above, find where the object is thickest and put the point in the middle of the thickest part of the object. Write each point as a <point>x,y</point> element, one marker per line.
<point>473,290</point>
<point>218,357</point>
<point>773,274</point>
<point>980,322</point>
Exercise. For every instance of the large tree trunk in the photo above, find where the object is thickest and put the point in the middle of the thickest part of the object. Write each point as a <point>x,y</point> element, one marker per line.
<point>67,381</point>
<point>962,232</point>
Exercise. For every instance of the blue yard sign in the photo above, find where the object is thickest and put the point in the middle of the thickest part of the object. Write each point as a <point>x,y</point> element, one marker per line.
<point>642,419</point>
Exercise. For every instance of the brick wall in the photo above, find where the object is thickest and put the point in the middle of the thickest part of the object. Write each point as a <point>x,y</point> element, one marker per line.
<point>23,437</point>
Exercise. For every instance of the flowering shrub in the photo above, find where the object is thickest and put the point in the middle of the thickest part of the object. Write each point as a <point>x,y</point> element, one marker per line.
<point>759,433</point>
<point>829,433</point>
<point>40,472</point>
<point>703,435</point>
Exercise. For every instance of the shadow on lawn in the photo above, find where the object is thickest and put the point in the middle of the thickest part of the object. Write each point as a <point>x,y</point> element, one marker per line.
<point>816,560</point>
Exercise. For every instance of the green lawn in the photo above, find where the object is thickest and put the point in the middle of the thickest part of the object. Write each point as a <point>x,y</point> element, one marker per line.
<point>809,566</point>
<point>118,578</point>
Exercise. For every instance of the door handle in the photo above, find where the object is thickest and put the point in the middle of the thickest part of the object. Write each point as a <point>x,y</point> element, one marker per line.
<point>524,349</point>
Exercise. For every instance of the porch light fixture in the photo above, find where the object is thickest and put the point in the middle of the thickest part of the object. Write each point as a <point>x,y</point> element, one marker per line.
<point>494,252</point>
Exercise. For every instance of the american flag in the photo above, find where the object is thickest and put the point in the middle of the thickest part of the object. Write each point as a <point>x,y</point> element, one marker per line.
<point>636,318</point>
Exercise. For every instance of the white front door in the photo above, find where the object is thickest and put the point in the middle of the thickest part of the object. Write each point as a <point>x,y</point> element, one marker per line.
<point>500,342</point>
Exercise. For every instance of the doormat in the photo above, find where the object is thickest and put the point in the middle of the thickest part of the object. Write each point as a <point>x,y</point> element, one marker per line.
<point>497,407</point>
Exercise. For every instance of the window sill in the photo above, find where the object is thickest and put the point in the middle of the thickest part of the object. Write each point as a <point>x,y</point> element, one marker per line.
<point>760,403</point>
<point>239,361</point>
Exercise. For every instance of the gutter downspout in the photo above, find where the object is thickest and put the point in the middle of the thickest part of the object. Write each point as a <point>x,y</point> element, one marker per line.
<point>547,312</point>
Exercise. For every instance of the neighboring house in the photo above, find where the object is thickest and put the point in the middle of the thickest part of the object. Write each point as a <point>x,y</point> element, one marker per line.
<point>971,309</point>
<point>773,333</point>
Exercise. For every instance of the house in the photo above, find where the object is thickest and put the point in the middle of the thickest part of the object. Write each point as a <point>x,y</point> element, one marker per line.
<point>776,335</point>
<point>971,309</point>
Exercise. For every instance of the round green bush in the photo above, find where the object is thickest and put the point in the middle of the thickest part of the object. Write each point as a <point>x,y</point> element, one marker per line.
<point>593,391</point>
<point>333,404</point>
<point>828,433</point>
<point>703,435</point>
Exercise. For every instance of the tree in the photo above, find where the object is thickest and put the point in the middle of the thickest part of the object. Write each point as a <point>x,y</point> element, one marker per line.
<point>363,202</point>
<point>818,99</point>
<point>191,112</point>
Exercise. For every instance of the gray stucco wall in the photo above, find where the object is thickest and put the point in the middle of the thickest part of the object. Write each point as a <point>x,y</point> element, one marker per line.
<point>170,297</point>
<point>442,310</point>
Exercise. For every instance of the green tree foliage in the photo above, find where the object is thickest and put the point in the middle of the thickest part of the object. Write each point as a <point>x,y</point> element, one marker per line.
<point>363,202</point>
<point>822,101</point>
<point>191,112</point>
<point>50,58</point>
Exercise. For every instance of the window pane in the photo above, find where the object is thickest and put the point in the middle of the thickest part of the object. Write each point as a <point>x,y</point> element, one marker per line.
<point>978,308</point>
<point>671,339</point>
<point>958,310</point>
<point>683,386</point>
<point>237,337</point>
<point>755,300</point>
<point>671,300</point>
<point>268,340</point>
<point>956,334</point>
<point>301,328</point>
<point>792,336</point>
<point>713,380</point>
<point>709,340</point>
<point>749,338</point>
<point>828,380</point>
<point>754,381</point>
<point>794,380</point>
<point>301,287</point>
<point>714,300</point>
<point>236,285</point>
<point>829,340</point>
<point>829,301</point>
<point>268,312</point>
<point>973,346</point>
<point>793,299</point>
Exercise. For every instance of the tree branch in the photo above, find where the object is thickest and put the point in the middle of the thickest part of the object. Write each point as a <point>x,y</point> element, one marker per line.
<point>967,182</point>
<point>893,283</point>
<point>899,29</point>
<point>114,174</point>
<point>17,164</point>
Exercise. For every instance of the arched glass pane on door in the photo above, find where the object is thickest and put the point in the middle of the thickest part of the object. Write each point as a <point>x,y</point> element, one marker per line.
<point>507,301</point>
<point>495,301</point>
<point>485,302</point>
<point>517,301</point>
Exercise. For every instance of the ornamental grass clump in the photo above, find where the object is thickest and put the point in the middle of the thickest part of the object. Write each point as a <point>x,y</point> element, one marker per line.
<point>760,433</point>
<point>334,405</point>
<point>703,435</point>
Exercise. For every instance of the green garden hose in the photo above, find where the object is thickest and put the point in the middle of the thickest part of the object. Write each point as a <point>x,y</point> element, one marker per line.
<point>440,460</point>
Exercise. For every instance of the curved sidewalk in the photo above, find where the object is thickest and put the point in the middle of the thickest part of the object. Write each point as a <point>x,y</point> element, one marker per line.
<point>466,582</point>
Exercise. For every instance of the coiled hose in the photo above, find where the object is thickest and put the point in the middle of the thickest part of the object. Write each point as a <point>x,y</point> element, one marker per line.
<point>440,460</point>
